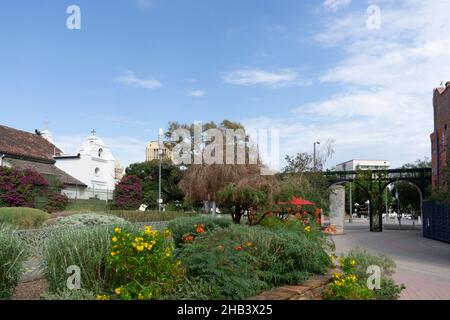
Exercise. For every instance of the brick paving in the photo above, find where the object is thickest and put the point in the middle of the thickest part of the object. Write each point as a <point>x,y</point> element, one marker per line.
<point>423,265</point>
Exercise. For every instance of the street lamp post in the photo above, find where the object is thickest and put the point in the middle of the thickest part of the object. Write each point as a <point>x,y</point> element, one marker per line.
<point>160,150</point>
<point>314,156</point>
<point>350,202</point>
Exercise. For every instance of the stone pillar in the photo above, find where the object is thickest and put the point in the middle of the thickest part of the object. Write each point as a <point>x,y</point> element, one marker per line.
<point>337,208</point>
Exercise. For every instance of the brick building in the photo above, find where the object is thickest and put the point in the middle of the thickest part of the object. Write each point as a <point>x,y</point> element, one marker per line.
<point>440,151</point>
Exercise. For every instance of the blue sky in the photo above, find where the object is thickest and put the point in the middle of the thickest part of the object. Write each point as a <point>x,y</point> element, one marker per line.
<point>311,69</point>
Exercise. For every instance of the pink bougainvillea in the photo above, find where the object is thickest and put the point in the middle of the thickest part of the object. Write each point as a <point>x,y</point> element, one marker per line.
<point>128,193</point>
<point>19,188</point>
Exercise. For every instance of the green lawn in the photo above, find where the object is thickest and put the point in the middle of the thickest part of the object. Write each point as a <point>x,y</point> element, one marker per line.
<point>23,218</point>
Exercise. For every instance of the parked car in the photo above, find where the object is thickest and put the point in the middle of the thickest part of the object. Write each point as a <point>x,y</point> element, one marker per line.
<point>393,215</point>
<point>407,216</point>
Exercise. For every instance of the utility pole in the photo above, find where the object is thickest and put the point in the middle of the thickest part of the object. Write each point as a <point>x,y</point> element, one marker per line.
<point>160,150</point>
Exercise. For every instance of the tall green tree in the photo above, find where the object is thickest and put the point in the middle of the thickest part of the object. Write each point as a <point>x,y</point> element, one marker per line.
<point>148,173</point>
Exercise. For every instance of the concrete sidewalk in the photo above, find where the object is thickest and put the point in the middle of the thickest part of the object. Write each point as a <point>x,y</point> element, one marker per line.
<point>423,265</point>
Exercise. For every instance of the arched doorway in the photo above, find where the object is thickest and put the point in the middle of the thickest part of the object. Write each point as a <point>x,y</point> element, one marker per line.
<point>404,208</point>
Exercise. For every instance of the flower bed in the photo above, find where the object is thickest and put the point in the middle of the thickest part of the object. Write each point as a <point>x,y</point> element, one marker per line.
<point>206,258</point>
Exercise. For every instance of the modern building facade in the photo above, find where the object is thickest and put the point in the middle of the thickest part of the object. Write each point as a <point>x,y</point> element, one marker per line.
<point>440,151</point>
<point>353,165</point>
<point>152,151</point>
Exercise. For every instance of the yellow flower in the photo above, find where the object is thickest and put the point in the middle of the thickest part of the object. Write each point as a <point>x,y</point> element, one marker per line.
<point>140,296</point>
<point>167,233</point>
<point>140,248</point>
<point>353,262</point>
<point>114,239</point>
<point>308,229</point>
<point>117,230</point>
<point>351,278</point>
<point>103,297</point>
<point>118,291</point>
<point>113,253</point>
<point>337,275</point>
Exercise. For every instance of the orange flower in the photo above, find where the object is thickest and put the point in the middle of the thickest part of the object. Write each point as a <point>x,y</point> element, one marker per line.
<point>188,238</point>
<point>238,248</point>
<point>248,244</point>
<point>200,229</point>
<point>330,229</point>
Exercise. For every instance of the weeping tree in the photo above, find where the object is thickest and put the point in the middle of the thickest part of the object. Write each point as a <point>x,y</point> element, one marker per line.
<point>230,173</point>
<point>249,193</point>
<point>236,188</point>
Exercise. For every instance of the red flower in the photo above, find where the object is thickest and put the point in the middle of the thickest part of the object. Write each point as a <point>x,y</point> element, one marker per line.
<point>188,238</point>
<point>238,248</point>
<point>200,230</point>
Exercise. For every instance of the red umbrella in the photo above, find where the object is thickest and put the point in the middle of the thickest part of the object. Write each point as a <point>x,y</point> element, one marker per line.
<point>298,202</point>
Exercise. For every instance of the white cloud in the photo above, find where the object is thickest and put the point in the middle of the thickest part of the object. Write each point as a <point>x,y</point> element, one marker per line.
<point>129,78</point>
<point>384,108</point>
<point>196,93</point>
<point>334,5</point>
<point>272,79</point>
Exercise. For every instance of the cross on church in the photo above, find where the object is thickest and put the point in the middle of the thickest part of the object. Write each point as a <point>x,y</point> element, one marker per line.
<point>93,132</point>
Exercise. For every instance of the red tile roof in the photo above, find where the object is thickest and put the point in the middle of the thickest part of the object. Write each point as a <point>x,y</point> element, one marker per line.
<point>45,169</point>
<point>26,144</point>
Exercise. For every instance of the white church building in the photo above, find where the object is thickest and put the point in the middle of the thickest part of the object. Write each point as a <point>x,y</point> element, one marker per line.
<point>94,165</point>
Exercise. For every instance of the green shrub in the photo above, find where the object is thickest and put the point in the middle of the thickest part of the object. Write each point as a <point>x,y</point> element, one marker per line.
<point>89,219</point>
<point>288,257</point>
<point>23,218</point>
<point>150,216</point>
<point>311,230</point>
<point>67,294</point>
<point>181,227</point>
<point>86,248</point>
<point>12,257</point>
<point>365,259</point>
<point>239,262</point>
<point>195,288</point>
<point>56,202</point>
<point>389,289</point>
<point>351,284</point>
<point>143,265</point>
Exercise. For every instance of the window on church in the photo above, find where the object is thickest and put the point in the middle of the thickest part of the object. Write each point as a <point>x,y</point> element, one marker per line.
<point>100,152</point>
<point>97,171</point>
